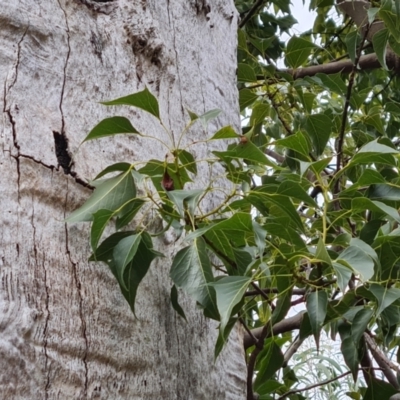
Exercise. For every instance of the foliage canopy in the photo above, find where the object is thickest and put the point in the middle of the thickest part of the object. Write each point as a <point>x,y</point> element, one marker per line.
<point>310,217</point>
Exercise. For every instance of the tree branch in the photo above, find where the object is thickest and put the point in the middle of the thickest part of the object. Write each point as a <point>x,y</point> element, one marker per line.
<point>283,326</point>
<point>296,292</point>
<point>382,360</point>
<point>253,10</point>
<point>366,62</point>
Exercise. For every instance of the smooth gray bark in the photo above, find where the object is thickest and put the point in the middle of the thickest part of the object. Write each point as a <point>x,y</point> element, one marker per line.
<point>65,330</point>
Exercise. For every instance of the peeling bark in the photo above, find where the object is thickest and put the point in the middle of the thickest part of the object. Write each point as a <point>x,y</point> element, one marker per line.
<point>66,330</point>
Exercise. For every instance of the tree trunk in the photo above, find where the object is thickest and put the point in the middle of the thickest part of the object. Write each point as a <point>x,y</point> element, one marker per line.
<point>66,331</point>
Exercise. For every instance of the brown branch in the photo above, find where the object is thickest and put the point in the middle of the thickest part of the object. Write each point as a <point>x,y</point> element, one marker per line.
<point>253,10</point>
<point>295,292</point>
<point>339,151</point>
<point>265,332</point>
<point>294,391</point>
<point>292,350</point>
<point>366,62</point>
<point>367,367</point>
<point>286,325</point>
<point>381,359</point>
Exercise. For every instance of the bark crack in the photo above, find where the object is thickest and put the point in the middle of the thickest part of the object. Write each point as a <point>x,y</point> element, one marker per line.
<point>7,109</point>
<point>61,143</point>
<point>80,300</point>
<point>171,22</point>
<point>46,323</point>
<point>60,138</point>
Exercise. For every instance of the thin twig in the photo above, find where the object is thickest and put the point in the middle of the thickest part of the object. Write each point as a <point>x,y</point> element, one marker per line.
<point>340,141</point>
<point>294,391</point>
<point>295,292</point>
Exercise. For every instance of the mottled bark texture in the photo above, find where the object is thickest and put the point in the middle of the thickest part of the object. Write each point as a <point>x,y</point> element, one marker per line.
<point>65,330</point>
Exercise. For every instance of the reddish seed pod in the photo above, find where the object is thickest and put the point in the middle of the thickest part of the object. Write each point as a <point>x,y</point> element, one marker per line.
<point>243,139</point>
<point>167,182</point>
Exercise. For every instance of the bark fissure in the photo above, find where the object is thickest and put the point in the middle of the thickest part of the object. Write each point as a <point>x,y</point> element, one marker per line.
<point>47,318</point>
<point>80,301</point>
<point>45,332</point>
<point>171,21</point>
<point>62,133</point>
<point>60,138</point>
<point>7,110</point>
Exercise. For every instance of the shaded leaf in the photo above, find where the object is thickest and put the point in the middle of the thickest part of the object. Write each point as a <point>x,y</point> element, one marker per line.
<point>316,304</point>
<point>298,50</point>
<point>191,270</point>
<point>100,221</point>
<point>230,291</point>
<point>175,304</point>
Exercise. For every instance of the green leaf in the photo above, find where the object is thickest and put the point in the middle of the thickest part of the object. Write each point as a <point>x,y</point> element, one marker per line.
<point>270,360</point>
<point>240,221</point>
<point>296,191</point>
<point>359,261</point>
<point>391,21</point>
<point>362,204</point>
<point>109,194</point>
<point>193,116</point>
<point>379,41</point>
<point>283,203</point>
<point>384,296</point>
<point>137,269</point>
<point>105,251</point>
<point>319,127</point>
<point>249,151</point>
<point>378,389</point>
<point>223,337</point>
<point>185,200</point>
<point>298,50</point>
<point>230,291</point>
<point>360,323</point>
<point>175,304</point>
<point>100,221</point>
<point>297,142</point>
<point>351,41</point>
<point>246,73</point>
<point>350,355</point>
<point>208,116</point>
<point>122,166</point>
<point>246,98</point>
<point>317,303</point>
<point>371,152</point>
<point>191,270</point>
<point>187,161</point>
<point>111,126</point>
<point>374,118</point>
<point>128,212</point>
<point>321,252</point>
<point>384,192</point>
<point>343,275</point>
<point>227,132</point>
<point>259,113</point>
<point>123,254</point>
<point>331,82</point>
<point>143,100</point>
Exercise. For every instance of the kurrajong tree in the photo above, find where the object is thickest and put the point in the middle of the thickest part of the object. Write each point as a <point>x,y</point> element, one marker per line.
<point>305,240</point>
